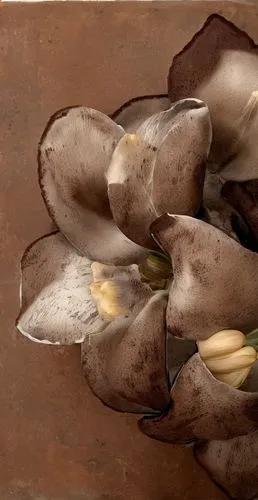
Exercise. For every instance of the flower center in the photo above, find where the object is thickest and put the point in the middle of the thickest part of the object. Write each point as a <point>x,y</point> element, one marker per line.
<point>106,295</point>
<point>156,271</point>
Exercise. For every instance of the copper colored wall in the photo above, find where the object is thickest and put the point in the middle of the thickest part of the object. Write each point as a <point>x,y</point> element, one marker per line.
<point>58,442</point>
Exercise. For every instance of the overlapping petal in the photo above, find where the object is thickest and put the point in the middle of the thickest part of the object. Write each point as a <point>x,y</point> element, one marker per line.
<point>125,365</point>
<point>132,113</point>
<point>74,155</point>
<point>233,464</point>
<point>160,169</point>
<point>219,65</point>
<point>215,284</point>
<point>203,408</point>
<point>56,305</point>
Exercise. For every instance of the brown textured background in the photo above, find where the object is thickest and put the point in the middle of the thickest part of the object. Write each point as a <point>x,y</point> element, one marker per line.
<point>58,442</point>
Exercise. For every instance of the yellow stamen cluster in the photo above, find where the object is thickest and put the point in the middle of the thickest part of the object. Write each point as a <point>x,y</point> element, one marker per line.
<point>106,292</point>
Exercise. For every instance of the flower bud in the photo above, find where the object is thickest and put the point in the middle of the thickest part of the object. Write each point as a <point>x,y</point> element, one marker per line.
<point>234,379</point>
<point>221,343</point>
<point>243,358</point>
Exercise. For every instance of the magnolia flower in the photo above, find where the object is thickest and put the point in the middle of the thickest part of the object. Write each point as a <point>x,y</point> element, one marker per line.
<point>225,65</point>
<point>140,281</point>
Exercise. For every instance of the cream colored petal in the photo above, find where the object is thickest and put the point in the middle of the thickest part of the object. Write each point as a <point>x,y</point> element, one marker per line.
<point>56,305</point>
<point>74,155</point>
<point>132,113</point>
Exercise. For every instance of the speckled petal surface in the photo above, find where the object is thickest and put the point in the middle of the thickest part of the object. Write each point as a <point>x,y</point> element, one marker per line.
<point>56,305</point>
<point>219,65</point>
<point>74,154</point>
<point>215,283</point>
<point>232,464</point>
<point>129,179</point>
<point>160,169</point>
<point>203,408</point>
<point>182,136</point>
<point>125,365</point>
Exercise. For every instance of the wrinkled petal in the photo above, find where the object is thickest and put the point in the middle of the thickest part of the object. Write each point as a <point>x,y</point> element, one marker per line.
<point>74,154</point>
<point>203,408</point>
<point>215,284</point>
<point>56,305</point>
<point>219,65</point>
<point>160,169</point>
<point>131,114</point>
<point>244,198</point>
<point>232,464</point>
<point>125,365</point>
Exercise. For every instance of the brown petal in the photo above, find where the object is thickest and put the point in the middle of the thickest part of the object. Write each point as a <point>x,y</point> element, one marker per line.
<point>219,65</point>
<point>244,198</point>
<point>125,365</point>
<point>203,408</point>
<point>232,464</point>
<point>130,188</point>
<point>131,114</point>
<point>56,305</point>
<point>160,169</point>
<point>182,135</point>
<point>74,154</point>
<point>215,283</point>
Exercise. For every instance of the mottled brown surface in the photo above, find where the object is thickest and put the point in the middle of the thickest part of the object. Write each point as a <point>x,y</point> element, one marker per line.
<point>204,408</point>
<point>233,464</point>
<point>57,441</point>
<point>207,263</point>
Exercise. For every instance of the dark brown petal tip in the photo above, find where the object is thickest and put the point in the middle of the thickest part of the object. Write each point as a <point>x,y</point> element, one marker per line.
<point>125,365</point>
<point>232,464</point>
<point>203,408</point>
<point>56,305</point>
<point>219,65</point>
<point>215,283</point>
<point>74,155</point>
<point>132,113</point>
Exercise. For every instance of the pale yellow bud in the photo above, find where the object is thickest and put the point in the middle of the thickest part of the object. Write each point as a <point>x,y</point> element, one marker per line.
<point>221,343</point>
<point>243,358</point>
<point>234,379</point>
